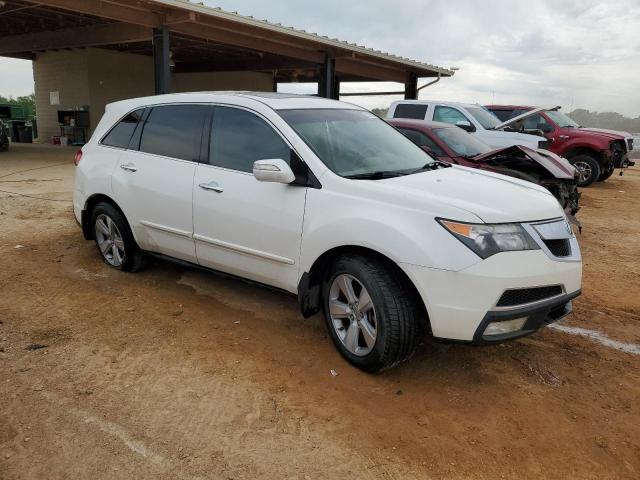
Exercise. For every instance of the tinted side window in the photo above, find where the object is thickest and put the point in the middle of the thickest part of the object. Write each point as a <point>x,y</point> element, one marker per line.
<point>449,115</point>
<point>174,131</point>
<point>503,115</point>
<point>410,110</point>
<point>532,122</point>
<point>239,138</point>
<point>422,140</point>
<point>120,135</point>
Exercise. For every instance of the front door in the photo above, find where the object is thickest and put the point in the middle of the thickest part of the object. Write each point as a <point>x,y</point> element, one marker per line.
<point>153,180</point>
<point>242,226</point>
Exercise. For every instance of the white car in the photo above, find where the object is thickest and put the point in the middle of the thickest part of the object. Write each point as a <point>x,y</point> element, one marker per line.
<point>474,119</point>
<point>324,200</point>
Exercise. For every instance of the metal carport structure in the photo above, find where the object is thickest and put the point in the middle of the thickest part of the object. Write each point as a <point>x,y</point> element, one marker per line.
<point>196,38</point>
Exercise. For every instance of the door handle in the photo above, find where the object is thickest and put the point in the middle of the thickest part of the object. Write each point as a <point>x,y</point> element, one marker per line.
<point>129,167</point>
<point>212,186</point>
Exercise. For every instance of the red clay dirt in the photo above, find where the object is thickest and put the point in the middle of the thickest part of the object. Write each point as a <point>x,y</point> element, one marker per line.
<point>175,373</point>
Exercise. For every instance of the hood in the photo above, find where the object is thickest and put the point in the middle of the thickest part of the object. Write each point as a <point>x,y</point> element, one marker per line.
<point>518,137</point>
<point>613,134</point>
<point>492,197</point>
<point>554,164</point>
<point>526,114</point>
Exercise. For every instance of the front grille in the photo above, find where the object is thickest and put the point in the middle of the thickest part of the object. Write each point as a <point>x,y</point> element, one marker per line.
<point>559,248</point>
<point>629,144</point>
<point>521,296</point>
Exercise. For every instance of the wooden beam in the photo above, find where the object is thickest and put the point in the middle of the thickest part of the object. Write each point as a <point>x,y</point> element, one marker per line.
<point>241,64</point>
<point>105,9</point>
<point>90,36</point>
<point>251,42</point>
<point>358,68</point>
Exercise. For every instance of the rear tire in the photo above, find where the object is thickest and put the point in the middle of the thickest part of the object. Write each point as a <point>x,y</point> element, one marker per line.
<point>589,169</point>
<point>114,239</point>
<point>378,327</point>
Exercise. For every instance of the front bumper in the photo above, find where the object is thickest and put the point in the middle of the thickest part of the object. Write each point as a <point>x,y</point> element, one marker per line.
<point>537,316</point>
<point>458,302</point>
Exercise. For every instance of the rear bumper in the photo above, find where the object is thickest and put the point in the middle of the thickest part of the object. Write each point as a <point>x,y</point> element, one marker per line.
<point>538,316</point>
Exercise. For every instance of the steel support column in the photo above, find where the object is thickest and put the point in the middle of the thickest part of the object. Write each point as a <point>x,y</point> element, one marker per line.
<point>328,84</point>
<point>411,87</point>
<point>161,60</point>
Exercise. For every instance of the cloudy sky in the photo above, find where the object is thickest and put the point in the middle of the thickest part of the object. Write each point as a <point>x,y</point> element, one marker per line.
<point>574,53</point>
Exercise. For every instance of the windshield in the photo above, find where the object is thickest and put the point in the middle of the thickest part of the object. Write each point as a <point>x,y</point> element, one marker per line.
<point>484,117</point>
<point>355,142</point>
<point>561,119</point>
<point>461,142</point>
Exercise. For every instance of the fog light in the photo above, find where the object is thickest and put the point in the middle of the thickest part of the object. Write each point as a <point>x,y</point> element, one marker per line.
<point>506,326</point>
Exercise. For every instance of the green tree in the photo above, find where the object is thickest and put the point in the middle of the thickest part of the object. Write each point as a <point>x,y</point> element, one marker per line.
<point>27,102</point>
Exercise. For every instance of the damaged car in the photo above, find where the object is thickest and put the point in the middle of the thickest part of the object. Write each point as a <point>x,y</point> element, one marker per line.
<point>453,145</point>
<point>595,152</point>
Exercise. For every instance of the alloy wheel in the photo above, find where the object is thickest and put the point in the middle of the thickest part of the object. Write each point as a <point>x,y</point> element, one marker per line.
<point>353,315</point>
<point>109,240</point>
<point>584,171</point>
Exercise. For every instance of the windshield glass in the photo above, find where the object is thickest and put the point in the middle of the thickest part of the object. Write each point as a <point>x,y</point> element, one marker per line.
<point>461,142</point>
<point>561,119</point>
<point>484,117</point>
<point>355,142</point>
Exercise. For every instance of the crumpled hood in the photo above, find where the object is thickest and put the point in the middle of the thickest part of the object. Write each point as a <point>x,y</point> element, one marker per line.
<point>517,136</point>
<point>492,197</point>
<point>554,164</point>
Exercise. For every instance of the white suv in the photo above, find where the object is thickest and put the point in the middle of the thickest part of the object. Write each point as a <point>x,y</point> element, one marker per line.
<point>324,200</point>
<point>474,119</point>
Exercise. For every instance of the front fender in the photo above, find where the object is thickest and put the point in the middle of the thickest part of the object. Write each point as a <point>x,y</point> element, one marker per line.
<point>402,234</point>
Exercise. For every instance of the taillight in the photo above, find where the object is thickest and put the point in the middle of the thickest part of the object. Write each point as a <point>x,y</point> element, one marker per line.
<point>78,157</point>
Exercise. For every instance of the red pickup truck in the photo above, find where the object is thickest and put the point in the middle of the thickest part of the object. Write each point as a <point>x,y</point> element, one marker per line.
<point>594,152</point>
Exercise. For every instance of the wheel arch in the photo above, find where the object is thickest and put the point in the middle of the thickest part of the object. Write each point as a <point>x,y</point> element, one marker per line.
<point>89,205</point>
<point>585,150</point>
<point>310,284</point>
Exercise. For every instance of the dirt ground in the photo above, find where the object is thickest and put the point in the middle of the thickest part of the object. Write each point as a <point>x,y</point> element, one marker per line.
<point>175,373</point>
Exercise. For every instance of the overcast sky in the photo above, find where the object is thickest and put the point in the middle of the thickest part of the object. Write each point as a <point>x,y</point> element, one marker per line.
<point>574,53</point>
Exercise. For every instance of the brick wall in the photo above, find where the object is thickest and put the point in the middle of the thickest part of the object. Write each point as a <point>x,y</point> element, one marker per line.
<point>65,72</point>
<point>96,77</point>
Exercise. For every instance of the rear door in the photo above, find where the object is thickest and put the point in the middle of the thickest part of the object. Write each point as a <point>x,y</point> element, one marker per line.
<point>242,226</point>
<point>153,181</point>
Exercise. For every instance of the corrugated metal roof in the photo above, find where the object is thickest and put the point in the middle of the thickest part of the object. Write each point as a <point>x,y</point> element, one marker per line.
<point>202,9</point>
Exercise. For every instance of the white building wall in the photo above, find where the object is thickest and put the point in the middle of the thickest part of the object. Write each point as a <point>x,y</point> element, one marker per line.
<point>94,77</point>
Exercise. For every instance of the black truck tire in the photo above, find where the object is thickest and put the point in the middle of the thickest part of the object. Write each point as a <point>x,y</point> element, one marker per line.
<point>589,169</point>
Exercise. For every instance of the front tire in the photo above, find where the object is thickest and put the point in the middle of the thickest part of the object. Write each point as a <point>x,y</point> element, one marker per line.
<point>371,312</point>
<point>607,172</point>
<point>114,239</point>
<point>589,169</point>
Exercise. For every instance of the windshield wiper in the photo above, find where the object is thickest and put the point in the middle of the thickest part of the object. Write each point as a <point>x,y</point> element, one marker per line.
<point>377,175</point>
<point>436,164</point>
<point>380,174</point>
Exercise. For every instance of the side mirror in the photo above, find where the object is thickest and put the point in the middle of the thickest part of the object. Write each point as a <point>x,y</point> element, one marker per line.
<point>273,170</point>
<point>545,127</point>
<point>465,125</point>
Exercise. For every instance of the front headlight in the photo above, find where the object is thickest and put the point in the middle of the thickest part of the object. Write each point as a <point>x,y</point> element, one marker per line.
<point>486,240</point>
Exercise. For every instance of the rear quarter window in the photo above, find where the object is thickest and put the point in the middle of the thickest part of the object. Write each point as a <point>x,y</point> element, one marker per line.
<point>120,135</point>
<point>410,110</point>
